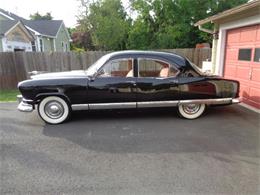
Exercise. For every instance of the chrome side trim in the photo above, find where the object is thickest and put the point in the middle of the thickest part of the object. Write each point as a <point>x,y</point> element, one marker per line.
<point>208,101</point>
<point>24,107</point>
<point>79,107</point>
<point>119,105</point>
<point>98,106</point>
<point>122,105</point>
<point>156,104</point>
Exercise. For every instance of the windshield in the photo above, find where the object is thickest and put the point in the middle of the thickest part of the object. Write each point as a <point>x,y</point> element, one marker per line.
<point>97,65</point>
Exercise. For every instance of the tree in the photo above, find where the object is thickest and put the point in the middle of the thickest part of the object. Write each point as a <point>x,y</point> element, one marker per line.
<point>107,23</point>
<point>157,23</point>
<point>170,23</point>
<point>37,16</point>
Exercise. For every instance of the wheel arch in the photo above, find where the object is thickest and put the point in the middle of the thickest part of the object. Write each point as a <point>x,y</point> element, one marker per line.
<point>41,96</point>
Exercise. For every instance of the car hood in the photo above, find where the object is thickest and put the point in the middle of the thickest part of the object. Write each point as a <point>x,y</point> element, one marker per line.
<point>69,74</point>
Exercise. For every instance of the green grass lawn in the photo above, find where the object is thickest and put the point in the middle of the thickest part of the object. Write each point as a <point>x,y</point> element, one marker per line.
<point>8,95</point>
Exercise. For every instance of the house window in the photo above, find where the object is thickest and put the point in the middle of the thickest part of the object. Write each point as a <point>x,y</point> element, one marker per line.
<point>244,54</point>
<point>66,47</point>
<point>257,55</point>
<point>33,46</point>
<point>41,45</point>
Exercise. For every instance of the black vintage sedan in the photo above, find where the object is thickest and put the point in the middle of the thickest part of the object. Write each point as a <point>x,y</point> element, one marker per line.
<point>127,79</point>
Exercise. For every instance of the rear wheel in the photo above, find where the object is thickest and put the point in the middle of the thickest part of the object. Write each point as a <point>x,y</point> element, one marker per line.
<point>191,111</point>
<point>54,110</point>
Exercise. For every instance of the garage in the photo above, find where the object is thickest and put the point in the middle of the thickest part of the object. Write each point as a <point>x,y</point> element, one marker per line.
<point>242,62</point>
<point>236,49</point>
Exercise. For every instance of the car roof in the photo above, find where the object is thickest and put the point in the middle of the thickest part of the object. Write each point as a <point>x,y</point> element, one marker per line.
<point>171,57</point>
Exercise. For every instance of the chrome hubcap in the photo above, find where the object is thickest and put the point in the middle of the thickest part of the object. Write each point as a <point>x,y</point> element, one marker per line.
<point>54,109</point>
<point>191,108</point>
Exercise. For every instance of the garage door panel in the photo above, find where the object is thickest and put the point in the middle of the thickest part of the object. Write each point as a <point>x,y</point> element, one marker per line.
<point>251,103</point>
<point>242,72</point>
<point>258,34</point>
<point>254,94</point>
<point>244,91</point>
<point>248,34</point>
<point>240,65</point>
<point>233,37</point>
<point>231,54</point>
<point>256,74</point>
<point>230,71</point>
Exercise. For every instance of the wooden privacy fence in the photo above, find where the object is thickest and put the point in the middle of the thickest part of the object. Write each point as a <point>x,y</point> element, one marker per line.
<point>14,66</point>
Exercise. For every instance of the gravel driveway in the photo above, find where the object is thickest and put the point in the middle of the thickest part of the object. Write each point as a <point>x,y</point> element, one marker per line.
<point>130,152</point>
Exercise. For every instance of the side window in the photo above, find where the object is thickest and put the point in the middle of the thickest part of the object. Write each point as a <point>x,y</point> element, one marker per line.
<point>155,68</point>
<point>117,68</point>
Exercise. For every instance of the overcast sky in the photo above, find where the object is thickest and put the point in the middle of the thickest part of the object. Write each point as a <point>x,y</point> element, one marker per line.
<point>65,10</point>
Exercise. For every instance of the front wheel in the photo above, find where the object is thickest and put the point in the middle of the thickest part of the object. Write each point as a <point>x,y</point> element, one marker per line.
<point>54,110</point>
<point>191,111</point>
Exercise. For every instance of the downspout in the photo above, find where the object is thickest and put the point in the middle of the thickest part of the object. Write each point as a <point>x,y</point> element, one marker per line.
<point>214,44</point>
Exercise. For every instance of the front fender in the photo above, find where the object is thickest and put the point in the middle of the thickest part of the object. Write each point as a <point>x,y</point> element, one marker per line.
<point>41,96</point>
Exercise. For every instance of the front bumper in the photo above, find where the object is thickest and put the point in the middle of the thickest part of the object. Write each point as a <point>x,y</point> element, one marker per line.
<point>23,105</point>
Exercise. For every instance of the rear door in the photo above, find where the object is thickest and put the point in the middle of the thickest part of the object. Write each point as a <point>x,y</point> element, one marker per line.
<point>156,81</point>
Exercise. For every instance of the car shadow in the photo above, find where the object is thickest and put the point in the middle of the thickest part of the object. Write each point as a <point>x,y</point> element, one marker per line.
<point>230,129</point>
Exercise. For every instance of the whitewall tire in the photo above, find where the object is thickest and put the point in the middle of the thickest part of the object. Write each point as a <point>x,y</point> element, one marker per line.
<point>191,111</point>
<point>54,110</point>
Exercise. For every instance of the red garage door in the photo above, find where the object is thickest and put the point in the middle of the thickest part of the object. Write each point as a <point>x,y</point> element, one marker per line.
<point>242,62</point>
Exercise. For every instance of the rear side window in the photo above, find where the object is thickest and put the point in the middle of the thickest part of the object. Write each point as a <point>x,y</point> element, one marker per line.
<point>156,68</point>
<point>244,54</point>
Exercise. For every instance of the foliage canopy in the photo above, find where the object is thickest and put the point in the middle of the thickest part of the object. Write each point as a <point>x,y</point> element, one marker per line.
<point>155,24</point>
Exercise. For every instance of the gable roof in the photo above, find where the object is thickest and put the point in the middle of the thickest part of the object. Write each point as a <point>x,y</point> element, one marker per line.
<point>6,25</point>
<point>44,27</point>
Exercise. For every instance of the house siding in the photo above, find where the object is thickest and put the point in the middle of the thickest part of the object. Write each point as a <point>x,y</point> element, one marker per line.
<point>62,37</point>
<point>47,43</point>
<point>1,45</point>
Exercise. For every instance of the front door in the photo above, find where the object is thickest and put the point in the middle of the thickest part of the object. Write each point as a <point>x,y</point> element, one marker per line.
<point>156,82</point>
<point>114,85</point>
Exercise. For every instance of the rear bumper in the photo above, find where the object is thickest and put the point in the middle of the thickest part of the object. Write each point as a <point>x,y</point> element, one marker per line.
<point>24,105</point>
<point>236,100</point>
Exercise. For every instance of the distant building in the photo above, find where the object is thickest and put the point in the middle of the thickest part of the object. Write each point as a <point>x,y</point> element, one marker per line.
<point>19,34</point>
